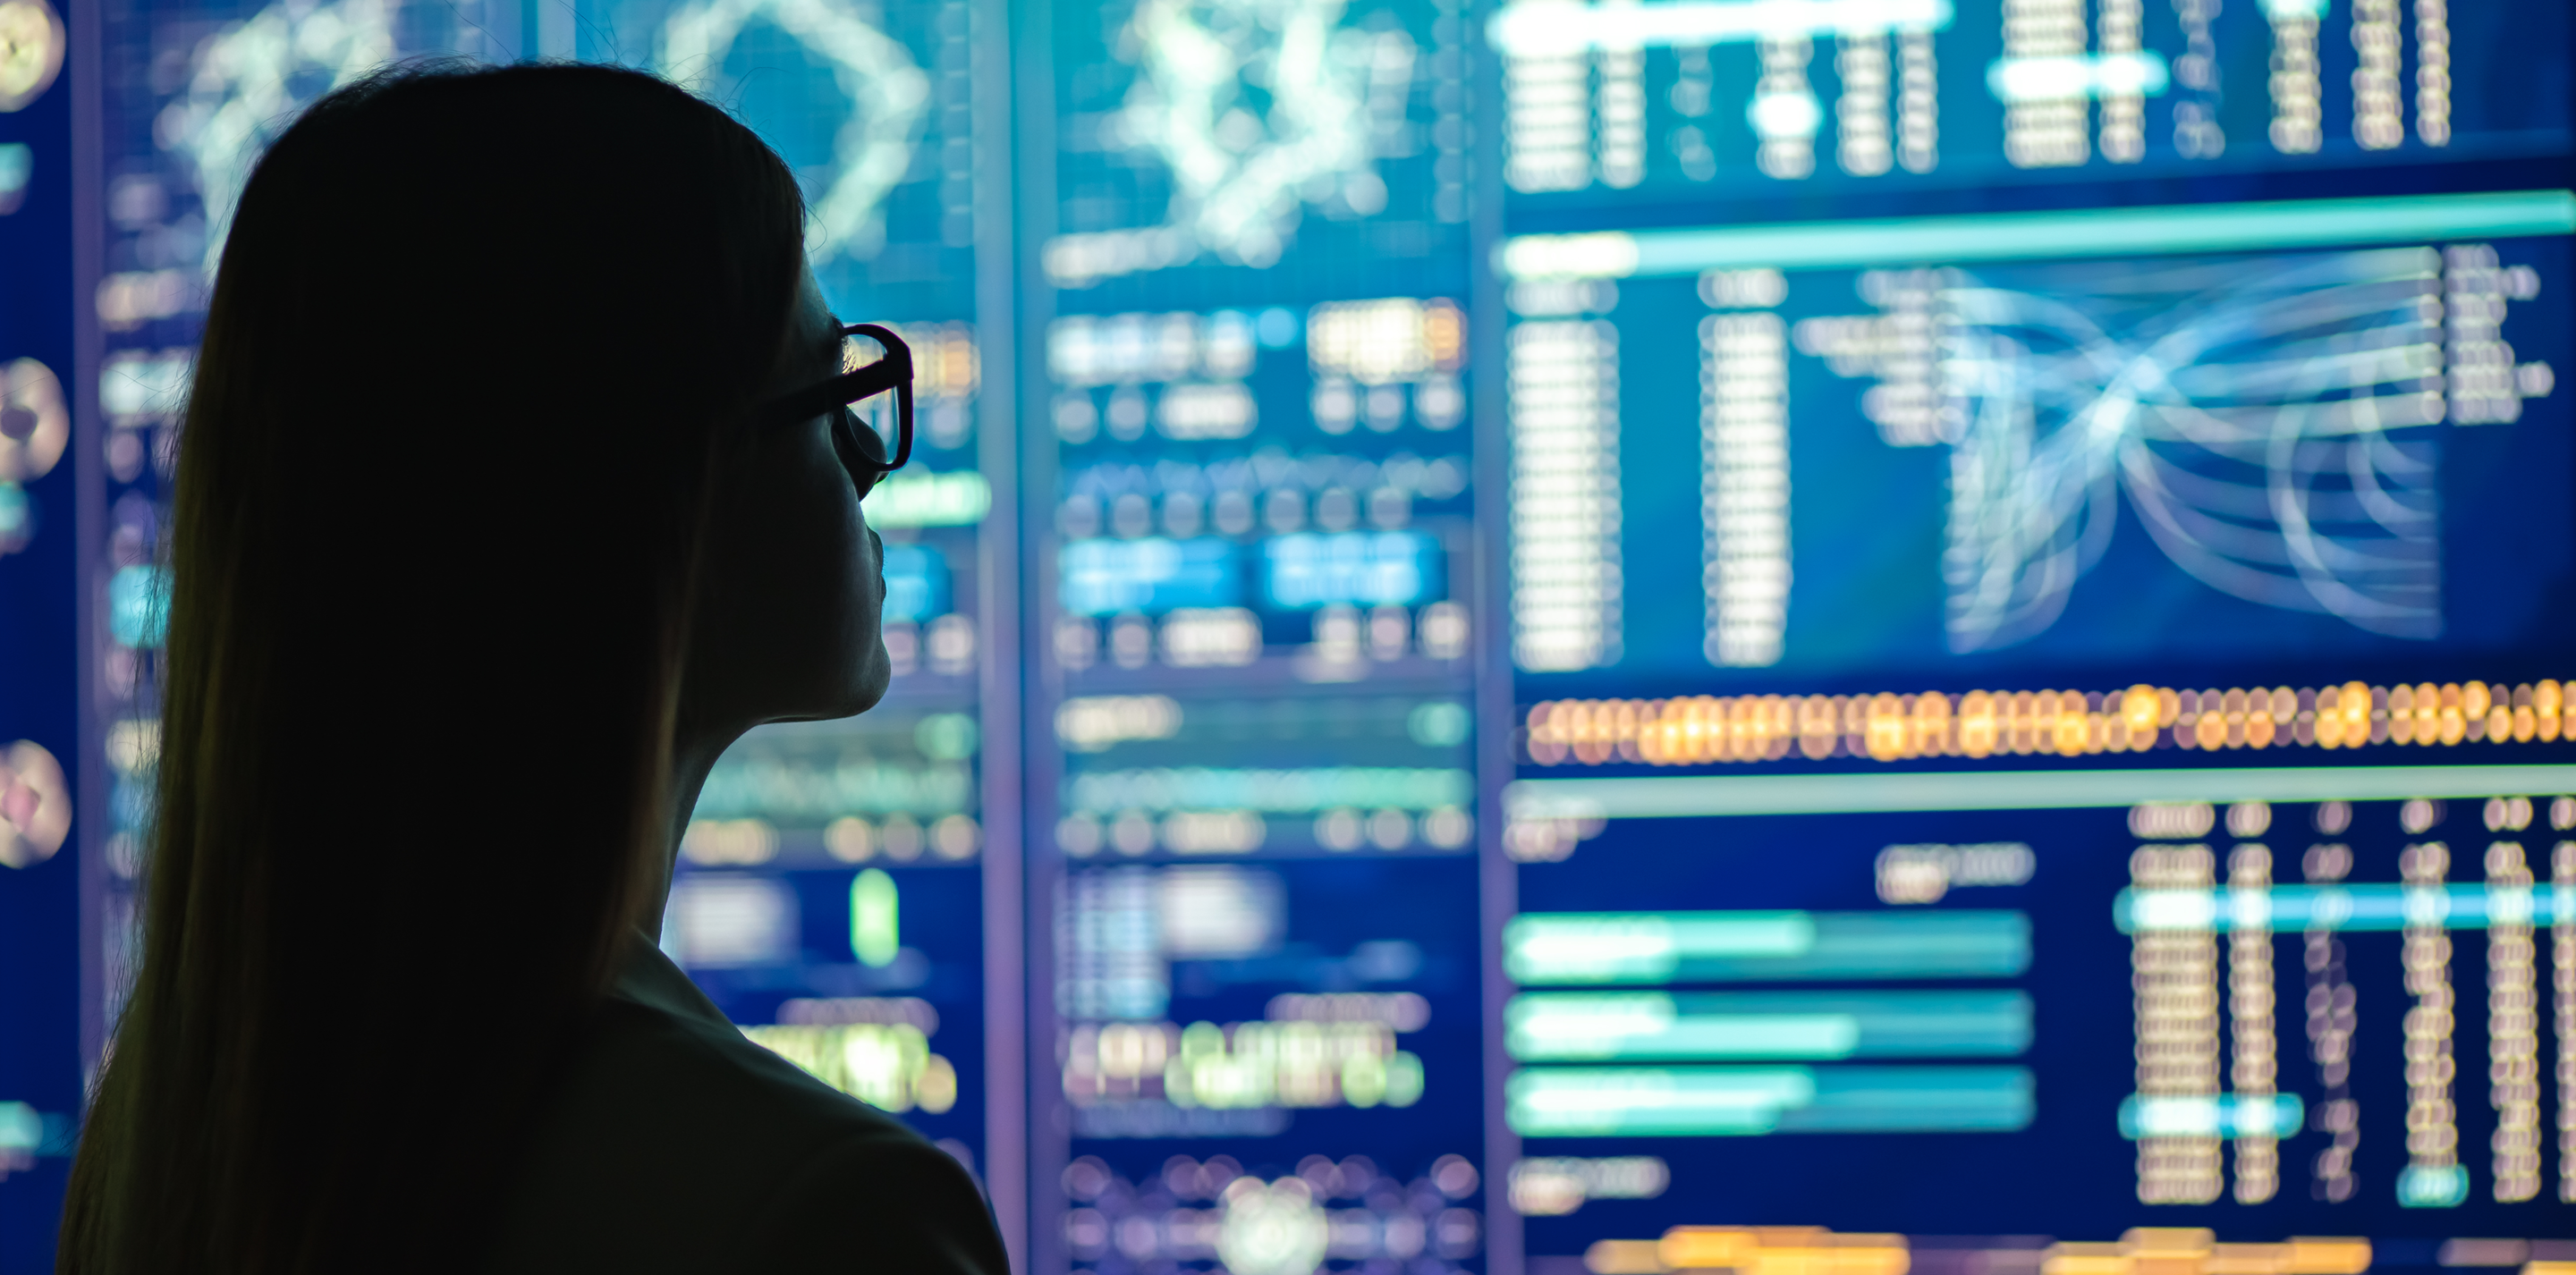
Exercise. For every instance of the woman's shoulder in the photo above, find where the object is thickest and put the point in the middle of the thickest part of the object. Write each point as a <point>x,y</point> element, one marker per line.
<point>674,1144</point>
<point>702,1092</point>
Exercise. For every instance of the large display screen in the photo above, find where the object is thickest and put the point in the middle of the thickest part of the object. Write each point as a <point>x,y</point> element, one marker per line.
<point>2035,654</point>
<point>1802,637</point>
<point>42,775</point>
<point>1253,842</point>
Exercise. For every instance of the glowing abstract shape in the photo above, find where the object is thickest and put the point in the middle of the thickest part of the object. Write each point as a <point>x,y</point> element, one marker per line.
<point>31,51</point>
<point>34,425</point>
<point>874,919</point>
<point>878,75</point>
<point>1257,107</point>
<point>2247,410</point>
<point>35,805</point>
<point>1273,1228</point>
<point>253,77</point>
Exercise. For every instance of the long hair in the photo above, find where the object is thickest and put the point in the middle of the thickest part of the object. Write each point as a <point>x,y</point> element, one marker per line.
<point>473,350</point>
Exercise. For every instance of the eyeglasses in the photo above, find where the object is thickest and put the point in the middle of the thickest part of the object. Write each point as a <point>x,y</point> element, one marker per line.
<point>869,445</point>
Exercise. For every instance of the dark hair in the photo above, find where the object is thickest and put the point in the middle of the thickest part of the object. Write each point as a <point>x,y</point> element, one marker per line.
<point>469,361</point>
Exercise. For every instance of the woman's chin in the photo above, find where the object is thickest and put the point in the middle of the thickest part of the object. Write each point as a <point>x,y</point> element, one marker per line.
<point>861,689</point>
<point>876,674</point>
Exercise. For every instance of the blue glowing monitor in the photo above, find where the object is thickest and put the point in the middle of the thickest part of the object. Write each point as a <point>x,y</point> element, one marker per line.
<point>2038,728</point>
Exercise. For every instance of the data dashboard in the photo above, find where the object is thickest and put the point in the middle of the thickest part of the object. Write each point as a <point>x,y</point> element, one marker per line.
<point>1621,100</point>
<point>1611,637</point>
<point>1908,502</point>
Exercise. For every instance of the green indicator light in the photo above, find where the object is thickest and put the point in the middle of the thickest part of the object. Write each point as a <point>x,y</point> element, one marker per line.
<point>874,938</point>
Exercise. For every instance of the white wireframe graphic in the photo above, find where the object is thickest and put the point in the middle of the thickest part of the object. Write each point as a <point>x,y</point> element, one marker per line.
<point>252,78</point>
<point>2268,421</point>
<point>1258,108</point>
<point>873,148</point>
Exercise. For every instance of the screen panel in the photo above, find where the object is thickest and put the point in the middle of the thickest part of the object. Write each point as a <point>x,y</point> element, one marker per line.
<point>2032,536</point>
<point>2163,457</point>
<point>41,552</point>
<point>2023,705</point>
<point>1610,104</point>
<point>1251,795</point>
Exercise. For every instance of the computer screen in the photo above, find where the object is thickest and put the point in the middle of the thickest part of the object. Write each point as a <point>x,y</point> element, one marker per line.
<point>1804,637</point>
<point>1253,840</point>
<point>40,739</point>
<point>2035,648</point>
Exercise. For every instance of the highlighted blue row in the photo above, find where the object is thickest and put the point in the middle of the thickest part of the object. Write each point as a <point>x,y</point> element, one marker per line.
<point>1297,572</point>
<point>2433,1186</point>
<point>1724,1026</point>
<point>2229,1115</point>
<point>2341,907</point>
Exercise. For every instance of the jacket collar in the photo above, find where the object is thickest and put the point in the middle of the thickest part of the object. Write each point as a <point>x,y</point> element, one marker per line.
<point>650,979</point>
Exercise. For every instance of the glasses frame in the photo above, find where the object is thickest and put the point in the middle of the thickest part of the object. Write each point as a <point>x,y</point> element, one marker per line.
<point>837,395</point>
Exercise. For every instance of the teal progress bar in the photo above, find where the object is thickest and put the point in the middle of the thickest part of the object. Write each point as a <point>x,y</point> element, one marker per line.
<point>1661,1026</point>
<point>2120,232</point>
<point>1703,796</point>
<point>1689,1101</point>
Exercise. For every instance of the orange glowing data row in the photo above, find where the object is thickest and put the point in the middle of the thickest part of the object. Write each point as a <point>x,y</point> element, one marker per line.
<point>1890,727</point>
<point>1812,1250</point>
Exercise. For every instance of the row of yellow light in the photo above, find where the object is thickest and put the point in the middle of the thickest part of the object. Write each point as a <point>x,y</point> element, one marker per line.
<point>1700,729</point>
<point>1239,1065</point>
<point>1809,1250</point>
<point>888,1066</point>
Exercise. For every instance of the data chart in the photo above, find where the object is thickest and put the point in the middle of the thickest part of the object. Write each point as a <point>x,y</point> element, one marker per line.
<point>2301,441</point>
<point>1711,99</point>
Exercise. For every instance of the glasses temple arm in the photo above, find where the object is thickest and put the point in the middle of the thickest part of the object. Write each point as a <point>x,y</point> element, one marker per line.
<point>891,373</point>
<point>903,432</point>
<point>897,354</point>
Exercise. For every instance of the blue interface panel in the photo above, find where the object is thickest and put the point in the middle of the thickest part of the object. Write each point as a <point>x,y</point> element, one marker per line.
<point>42,769</point>
<point>1252,820</point>
<point>2041,727</point>
<point>1605,105</point>
<point>1972,474</point>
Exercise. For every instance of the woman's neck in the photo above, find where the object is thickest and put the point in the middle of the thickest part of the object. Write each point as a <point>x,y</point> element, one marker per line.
<point>694,750</point>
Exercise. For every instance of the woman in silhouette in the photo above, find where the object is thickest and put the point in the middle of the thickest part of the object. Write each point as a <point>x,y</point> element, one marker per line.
<point>514,486</point>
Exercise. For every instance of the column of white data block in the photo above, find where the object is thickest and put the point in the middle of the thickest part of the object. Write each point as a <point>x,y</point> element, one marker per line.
<point>1564,420</point>
<point>1744,486</point>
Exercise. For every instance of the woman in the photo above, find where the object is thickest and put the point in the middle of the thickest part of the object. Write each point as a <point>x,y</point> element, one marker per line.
<point>487,541</point>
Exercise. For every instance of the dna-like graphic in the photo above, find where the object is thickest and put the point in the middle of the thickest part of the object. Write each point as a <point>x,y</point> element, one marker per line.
<point>1258,108</point>
<point>2270,422</point>
<point>250,79</point>
<point>888,91</point>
